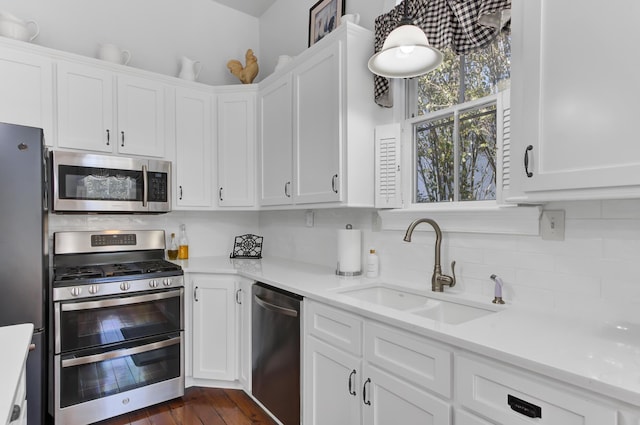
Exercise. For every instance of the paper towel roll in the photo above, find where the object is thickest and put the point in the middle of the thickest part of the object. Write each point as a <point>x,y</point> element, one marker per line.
<point>349,252</point>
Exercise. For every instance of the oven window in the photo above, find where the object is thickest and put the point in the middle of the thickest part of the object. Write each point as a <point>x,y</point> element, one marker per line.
<point>90,375</point>
<point>100,184</point>
<point>107,321</point>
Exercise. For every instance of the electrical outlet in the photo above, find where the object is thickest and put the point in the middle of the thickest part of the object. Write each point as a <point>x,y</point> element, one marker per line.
<point>309,218</point>
<point>552,225</point>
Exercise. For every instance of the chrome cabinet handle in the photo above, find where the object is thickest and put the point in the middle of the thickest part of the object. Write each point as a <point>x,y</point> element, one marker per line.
<point>108,137</point>
<point>180,192</point>
<point>287,193</point>
<point>351,376</point>
<point>333,183</point>
<point>364,392</point>
<point>526,161</point>
<point>195,294</point>
<point>122,135</point>
<point>220,194</point>
<point>238,297</point>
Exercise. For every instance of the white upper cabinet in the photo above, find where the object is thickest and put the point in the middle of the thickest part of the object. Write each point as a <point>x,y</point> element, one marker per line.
<point>85,108</point>
<point>194,141</point>
<point>329,123</point>
<point>317,129</point>
<point>236,147</point>
<point>276,142</point>
<point>90,98</point>
<point>574,101</point>
<point>26,90</point>
<point>140,116</point>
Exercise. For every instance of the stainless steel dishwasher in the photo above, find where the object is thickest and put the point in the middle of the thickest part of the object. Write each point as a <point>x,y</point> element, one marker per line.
<point>276,351</point>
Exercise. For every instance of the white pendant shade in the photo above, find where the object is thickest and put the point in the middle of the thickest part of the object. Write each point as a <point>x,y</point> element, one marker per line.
<point>406,53</point>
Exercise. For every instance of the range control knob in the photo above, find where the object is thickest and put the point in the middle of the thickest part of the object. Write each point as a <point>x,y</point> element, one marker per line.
<point>125,286</point>
<point>167,282</point>
<point>75,291</point>
<point>153,283</point>
<point>93,289</point>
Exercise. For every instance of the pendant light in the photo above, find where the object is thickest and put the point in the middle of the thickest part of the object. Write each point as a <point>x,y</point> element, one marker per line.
<point>406,52</point>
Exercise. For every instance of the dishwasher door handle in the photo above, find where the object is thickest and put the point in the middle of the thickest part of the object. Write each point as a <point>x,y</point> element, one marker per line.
<point>275,308</point>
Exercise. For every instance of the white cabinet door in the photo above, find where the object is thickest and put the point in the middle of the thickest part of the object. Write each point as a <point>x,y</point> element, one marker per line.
<point>318,132</point>
<point>26,90</point>
<point>243,299</point>
<point>236,149</point>
<point>276,142</point>
<point>332,392</point>
<point>574,114</point>
<point>85,108</point>
<point>140,116</point>
<point>193,148</point>
<point>390,400</point>
<point>214,327</point>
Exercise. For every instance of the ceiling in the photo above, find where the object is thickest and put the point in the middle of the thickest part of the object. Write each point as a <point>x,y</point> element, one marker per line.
<point>251,7</point>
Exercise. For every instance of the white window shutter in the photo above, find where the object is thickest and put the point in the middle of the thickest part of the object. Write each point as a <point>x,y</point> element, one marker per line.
<point>503,160</point>
<point>387,160</point>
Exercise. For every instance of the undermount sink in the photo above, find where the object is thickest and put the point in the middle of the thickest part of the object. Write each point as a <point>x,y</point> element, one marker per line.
<point>419,304</point>
<point>452,313</point>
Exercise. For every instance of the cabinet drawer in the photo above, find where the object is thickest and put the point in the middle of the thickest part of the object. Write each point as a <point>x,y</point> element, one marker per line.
<point>513,397</point>
<point>412,357</point>
<point>337,327</point>
<point>466,418</point>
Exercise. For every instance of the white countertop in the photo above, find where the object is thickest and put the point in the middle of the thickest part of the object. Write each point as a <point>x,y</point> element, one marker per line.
<point>15,340</point>
<point>595,353</point>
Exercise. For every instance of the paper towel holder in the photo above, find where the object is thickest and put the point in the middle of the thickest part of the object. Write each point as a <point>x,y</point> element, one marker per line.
<point>347,274</point>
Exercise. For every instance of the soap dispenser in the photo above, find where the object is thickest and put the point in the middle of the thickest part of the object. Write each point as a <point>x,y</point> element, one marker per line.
<point>373,264</point>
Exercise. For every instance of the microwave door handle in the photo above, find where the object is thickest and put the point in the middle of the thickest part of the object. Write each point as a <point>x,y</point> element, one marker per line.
<point>145,186</point>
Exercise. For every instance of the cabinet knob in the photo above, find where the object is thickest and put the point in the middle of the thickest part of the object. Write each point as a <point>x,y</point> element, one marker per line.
<point>220,194</point>
<point>287,192</point>
<point>195,294</point>
<point>334,180</point>
<point>108,137</point>
<point>122,138</point>
<point>180,193</point>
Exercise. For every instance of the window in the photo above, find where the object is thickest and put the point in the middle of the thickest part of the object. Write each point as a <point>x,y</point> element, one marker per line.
<point>454,125</point>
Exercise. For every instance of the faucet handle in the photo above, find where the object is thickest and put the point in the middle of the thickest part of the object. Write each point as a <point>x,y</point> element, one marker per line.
<point>453,274</point>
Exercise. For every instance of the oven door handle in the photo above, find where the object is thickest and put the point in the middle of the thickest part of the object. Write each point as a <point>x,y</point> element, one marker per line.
<point>114,302</point>
<point>119,353</point>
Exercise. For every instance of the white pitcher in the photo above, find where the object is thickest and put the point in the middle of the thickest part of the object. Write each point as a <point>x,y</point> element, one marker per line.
<point>189,69</point>
<point>16,28</point>
<point>112,53</point>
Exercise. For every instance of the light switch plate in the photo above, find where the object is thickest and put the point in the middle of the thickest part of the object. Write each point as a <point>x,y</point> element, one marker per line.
<point>552,225</point>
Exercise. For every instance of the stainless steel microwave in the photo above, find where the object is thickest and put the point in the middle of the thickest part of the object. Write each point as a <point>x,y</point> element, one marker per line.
<point>85,182</point>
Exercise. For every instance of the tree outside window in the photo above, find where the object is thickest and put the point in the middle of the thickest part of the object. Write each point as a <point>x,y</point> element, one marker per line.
<point>455,143</point>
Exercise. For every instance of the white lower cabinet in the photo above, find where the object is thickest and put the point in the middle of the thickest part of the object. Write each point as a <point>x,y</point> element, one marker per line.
<point>243,301</point>
<point>359,371</point>
<point>465,418</point>
<point>510,396</point>
<point>214,326</point>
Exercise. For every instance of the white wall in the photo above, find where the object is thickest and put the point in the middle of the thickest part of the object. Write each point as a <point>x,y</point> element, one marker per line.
<point>156,32</point>
<point>596,262</point>
<point>284,27</point>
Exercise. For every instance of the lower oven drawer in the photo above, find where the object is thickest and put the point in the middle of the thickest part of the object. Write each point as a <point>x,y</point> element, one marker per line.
<point>99,321</point>
<point>99,373</point>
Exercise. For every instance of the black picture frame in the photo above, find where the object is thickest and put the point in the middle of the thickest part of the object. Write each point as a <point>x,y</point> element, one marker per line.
<point>324,17</point>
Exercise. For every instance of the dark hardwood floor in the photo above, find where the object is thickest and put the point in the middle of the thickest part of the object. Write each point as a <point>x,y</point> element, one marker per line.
<point>206,406</point>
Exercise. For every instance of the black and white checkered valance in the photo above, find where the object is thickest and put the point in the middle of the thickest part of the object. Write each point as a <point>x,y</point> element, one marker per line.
<point>462,25</point>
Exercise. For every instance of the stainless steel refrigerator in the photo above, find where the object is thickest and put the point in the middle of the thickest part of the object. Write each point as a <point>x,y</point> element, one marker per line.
<point>24,249</point>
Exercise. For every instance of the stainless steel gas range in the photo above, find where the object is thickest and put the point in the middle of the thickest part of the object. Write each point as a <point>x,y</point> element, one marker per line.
<point>117,324</point>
